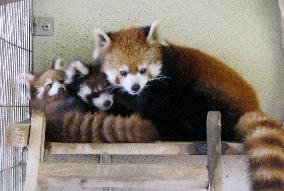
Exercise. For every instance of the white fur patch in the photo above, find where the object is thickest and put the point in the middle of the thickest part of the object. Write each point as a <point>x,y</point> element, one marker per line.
<point>100,88</point>
<point>58,64</point>
<point>111,75</point>
<point>40,92</point>
<point>155,69</point>
<point>71,71</point>
<point>99,101</point>
<point>123,68</point>
<point>259,132</point>
<point>260,152</point>
<point>55,88</point>
<point>128,81</point>
<point>266,173</point>
<point>25,79</point>
<point>142,66</point>
<point>48,81</point>
<point>153,30</point>
<point>102,41</point>
<point>96,53</point>
<point>84,92</point>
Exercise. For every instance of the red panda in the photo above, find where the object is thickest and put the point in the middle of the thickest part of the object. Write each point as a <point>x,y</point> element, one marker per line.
<point>172,85</point>
<point>93,89</point>
<point>175,87</point>
<point>70,119</point>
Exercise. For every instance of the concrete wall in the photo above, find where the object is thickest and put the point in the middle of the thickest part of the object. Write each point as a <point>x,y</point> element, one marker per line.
<point>243,33</point>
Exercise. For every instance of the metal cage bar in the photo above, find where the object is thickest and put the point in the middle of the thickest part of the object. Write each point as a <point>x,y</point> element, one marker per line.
<point>15,58</point>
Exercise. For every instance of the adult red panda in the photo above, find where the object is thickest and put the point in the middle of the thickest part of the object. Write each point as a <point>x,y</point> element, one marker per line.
<point>175,87</point>
<point>70,119</point>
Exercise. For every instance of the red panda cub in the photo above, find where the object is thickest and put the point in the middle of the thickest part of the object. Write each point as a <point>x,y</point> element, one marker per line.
<point>93,89</point>
<point>70,119</point>
<point>175,87</point>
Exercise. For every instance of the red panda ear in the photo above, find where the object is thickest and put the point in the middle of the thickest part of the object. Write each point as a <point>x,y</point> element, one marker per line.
<point>25,79</point>
<point>57,65</point>
<point>152,31</point>
<point>102,41</point>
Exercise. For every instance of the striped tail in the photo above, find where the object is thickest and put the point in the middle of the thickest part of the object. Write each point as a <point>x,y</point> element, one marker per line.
<point>101,127</point>
<point>264,145</point>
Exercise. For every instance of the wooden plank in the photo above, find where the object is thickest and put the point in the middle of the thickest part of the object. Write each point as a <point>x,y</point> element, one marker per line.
<point>214,150</point>
<point>35,150</point>
<point>158,148</point>
<point>86,175</point>
<point>105,159</point>
<point>17,135</point>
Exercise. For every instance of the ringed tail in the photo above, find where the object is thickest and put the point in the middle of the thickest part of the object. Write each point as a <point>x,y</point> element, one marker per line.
<point>264,146</point>
<point>101,127</point>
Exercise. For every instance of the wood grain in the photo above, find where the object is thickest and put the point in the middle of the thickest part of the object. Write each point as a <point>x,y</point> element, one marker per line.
<point>87,175</point>
<point>214,150</point>
<point>35,151</point>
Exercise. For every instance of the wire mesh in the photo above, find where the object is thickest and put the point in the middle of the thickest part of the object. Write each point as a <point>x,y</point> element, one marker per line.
<point>15,58</point>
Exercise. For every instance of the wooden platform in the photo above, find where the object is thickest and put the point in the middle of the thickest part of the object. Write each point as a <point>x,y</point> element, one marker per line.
<point>107,174</point>
<point>123,175</point>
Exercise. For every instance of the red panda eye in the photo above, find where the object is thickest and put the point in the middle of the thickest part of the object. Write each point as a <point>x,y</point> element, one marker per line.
<point>123,73</point>
<point>48,85</point>
<point>143,71</point>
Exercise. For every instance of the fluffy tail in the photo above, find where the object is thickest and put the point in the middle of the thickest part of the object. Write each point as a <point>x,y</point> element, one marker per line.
<point>264,145</point>
<point>101,127</point>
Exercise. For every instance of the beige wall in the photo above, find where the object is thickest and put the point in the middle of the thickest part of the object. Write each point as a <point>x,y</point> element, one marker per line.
<point>243,33</point>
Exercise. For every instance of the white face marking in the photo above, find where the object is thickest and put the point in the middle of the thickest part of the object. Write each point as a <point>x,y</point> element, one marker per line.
<point>123,68</point>
<point>40,92</point>
<point>111,75</point>
<point>84,91</point>
<point>100,101</point>
<point>48,81</point>
<point>155,69</point>
<point>128,81</point>
<point>142,66</point>
<point>71,71</point>
<point>55,88</point>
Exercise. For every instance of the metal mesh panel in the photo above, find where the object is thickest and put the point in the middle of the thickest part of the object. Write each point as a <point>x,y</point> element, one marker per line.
<point>15,58</point>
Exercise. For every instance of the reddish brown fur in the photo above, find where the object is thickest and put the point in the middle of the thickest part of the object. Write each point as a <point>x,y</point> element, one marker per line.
<point>100,127</point>
<point>213,75</point>
<point>96,79</point>
<point>119,52</point>
<point>130,47</point>
<point>264,144</point>
<point>41,77</point>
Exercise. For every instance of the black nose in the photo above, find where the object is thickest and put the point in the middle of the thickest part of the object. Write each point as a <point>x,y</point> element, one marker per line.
<point>61,89</point>
<point>135,87</point>
<point>107,103</point>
